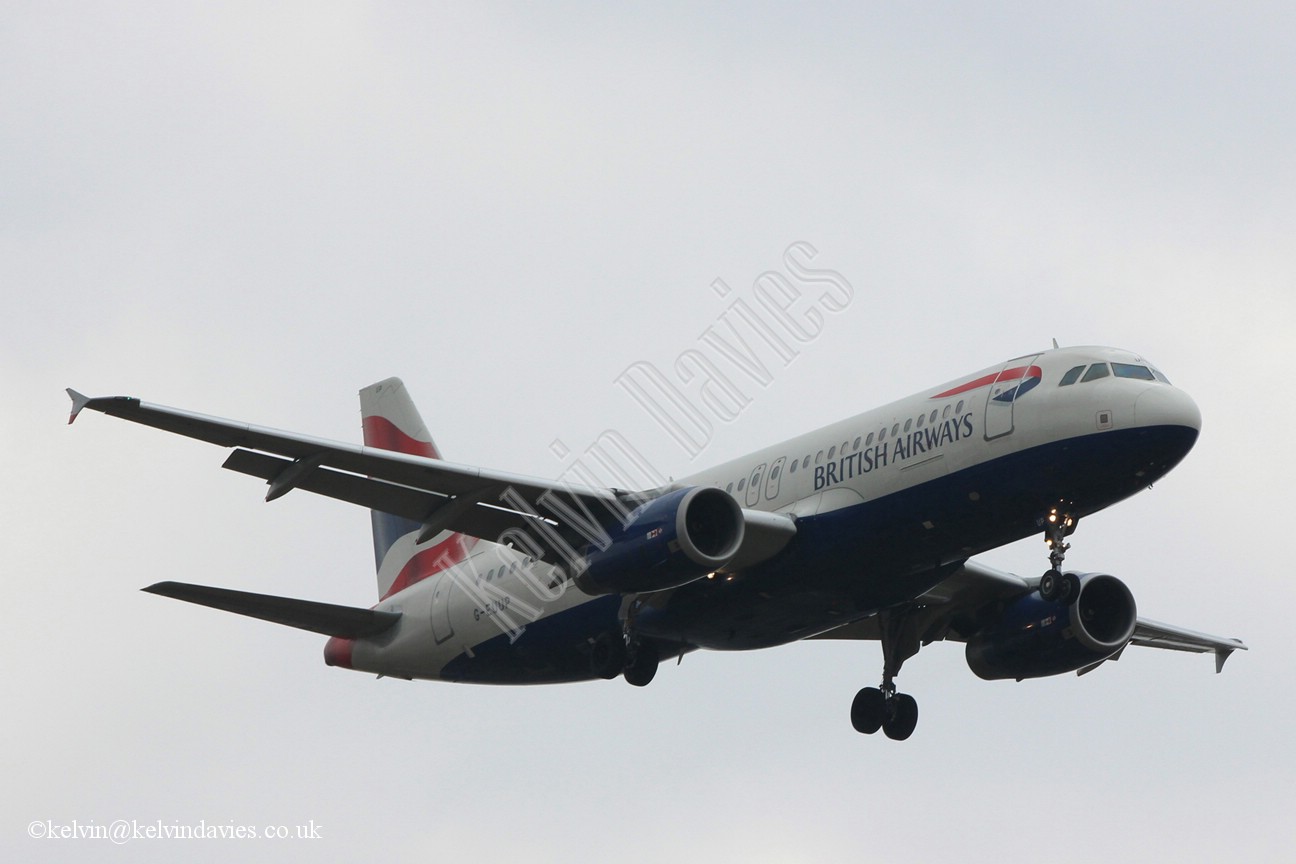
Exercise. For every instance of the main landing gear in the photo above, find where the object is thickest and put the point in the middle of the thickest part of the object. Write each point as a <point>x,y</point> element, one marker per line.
<point>641,665</point>
<point>1054,584</point>
<point>613,654</point>
<point>896,714</point>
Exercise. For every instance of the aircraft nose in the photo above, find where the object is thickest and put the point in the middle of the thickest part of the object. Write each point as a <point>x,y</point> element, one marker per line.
<point>1166,406</point>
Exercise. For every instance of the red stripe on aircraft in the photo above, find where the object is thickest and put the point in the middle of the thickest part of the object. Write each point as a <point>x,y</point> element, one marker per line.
<point>337,652</point>
<point>429,562</point>
<point>381,432</point>
<point>986,380</point>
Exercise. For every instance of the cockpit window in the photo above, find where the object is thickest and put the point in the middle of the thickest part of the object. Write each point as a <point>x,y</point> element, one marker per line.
<point>1159,376</point>
<point>1096,371</point>
<point>1070,377</point>
<point>1129,370</point>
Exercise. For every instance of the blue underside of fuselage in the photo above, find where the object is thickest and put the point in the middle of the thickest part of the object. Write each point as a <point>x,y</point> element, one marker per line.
<point>848,563</point>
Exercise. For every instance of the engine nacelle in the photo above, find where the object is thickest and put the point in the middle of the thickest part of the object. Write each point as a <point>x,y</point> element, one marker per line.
<point>669,541</point>
<point>1034,637</point>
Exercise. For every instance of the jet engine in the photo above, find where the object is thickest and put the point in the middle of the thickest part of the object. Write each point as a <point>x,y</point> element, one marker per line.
<point>671,540</point>
<point>1034,637</point>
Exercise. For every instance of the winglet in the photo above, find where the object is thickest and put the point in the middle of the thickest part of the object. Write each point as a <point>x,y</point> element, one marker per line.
<point>79,401</point>
<point>1222,654</point>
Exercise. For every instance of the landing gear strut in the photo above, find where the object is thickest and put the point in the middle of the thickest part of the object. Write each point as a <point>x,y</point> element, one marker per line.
<point>896,714</point>
<point>1054,584</point>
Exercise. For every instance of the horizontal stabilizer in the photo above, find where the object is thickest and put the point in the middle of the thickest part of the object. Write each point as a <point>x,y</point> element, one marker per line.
<point>346,622</point>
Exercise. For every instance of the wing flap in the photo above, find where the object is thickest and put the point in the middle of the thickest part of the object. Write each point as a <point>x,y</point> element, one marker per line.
<point>347,622</point>
<point>436,512</point>
<point>375,494</point>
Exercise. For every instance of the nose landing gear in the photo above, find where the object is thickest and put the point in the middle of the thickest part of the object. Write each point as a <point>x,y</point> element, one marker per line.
<point>1054,584</point>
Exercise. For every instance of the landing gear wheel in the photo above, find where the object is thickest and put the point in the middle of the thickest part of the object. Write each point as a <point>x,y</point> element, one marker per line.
<point>868,710</point>
<point>1050,587</point>
<point>1070,587</point>
<point>902,718</point>
<point>882,707</point>
<point>607,655</point>
<point>642,666</point>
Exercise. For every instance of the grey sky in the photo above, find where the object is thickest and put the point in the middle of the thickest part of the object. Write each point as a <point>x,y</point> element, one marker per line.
<point>253,213</point>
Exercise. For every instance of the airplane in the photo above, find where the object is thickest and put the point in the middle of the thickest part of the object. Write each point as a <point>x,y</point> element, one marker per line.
<point>861,530</point>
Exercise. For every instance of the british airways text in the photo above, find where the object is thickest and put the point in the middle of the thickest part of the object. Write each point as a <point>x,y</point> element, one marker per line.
<point>898,449</point>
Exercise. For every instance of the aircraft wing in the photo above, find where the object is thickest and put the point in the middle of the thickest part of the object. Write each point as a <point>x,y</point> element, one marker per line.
<point>949,611</point>
<point>1154,634</point>
<point>441,495</point>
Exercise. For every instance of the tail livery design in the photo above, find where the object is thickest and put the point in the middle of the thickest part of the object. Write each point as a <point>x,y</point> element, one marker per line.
<point>392,422</point>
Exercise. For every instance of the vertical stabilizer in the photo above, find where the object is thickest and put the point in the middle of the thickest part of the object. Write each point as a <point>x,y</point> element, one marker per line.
<point>391,422</point>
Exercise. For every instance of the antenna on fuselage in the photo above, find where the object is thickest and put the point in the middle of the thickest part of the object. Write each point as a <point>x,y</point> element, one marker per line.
<point>1055,345</point>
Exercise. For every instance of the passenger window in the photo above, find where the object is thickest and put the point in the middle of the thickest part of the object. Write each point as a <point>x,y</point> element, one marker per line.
<point>869,441</point>
<point>932,418</point>
<point>882,435</point>
<point>792,467</point>
<point>1130,370</point>
<point>729,488</point>
<point>921,418</point>
<point>818,457</point>
<point>895,429</point>
<point>805,464</point>
<point>856,445</point>
<point>1070,377</point>
<point>958,409</point>
<point>945,413</point>
<point>742,483</point>
<point>774,474</point>
<point>843,447</point>
<point>832,451</point>
<point>1096,371</point>
<point>908,424</point>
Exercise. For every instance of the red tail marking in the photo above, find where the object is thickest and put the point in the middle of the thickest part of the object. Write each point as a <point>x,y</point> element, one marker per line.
<point>381,432</point>
<point>429,562</point>
<point>337,652</point>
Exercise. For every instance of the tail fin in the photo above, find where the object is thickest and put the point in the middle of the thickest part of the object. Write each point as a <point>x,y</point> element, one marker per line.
<point>391,422</point>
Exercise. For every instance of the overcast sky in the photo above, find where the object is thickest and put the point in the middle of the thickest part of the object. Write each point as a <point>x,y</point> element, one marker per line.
<point>253,212</point>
